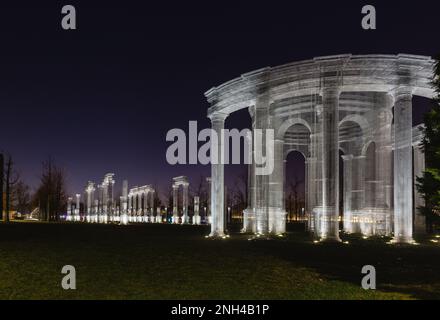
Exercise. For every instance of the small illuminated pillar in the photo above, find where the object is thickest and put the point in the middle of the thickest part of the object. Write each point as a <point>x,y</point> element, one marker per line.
<point>196,216</point>
<point>124,204</point>
<point>90,192</point>
<point>158,215</point>
<point>146,212</point>
<point>152,191</point>
<point>69,209</point>
<point>175,204</point>
<point>139,207</point>
<point>95,211</point>
<point>130,207</point>
<point>77,216</point>
<point>185,218</point>
<point>100,207</point>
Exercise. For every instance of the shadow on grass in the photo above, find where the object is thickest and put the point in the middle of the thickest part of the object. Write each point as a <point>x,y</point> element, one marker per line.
<point>155,261</point>
<point>407,269</point>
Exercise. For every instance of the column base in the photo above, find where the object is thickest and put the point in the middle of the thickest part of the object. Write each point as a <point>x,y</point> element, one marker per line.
<point>277,221</point>
<point>196,220</point>
<point>217,235</point>
<point>403,240</point>
<point>326,225</point>
<point>249,225</point>
<point>330,240</point>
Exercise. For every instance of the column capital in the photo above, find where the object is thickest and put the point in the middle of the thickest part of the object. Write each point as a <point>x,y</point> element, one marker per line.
<point>401,90</point>
<point>347,157</point>
<point>331,89</point>
<point>218,116</point>
<point>389,100</point>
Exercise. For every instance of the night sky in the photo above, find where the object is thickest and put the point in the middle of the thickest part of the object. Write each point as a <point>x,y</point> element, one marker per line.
<point>101,98</point>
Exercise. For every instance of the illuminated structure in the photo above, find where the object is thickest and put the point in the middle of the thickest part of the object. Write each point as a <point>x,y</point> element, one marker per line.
<point>69,216</point>
<point>124,204</point>
<point>141,204</point>
<point>177,182</point>
<point>196,216</point>
<point>76,216</point>
<point>360,105</point>
<point>108,210</point>
<point>90,196</point>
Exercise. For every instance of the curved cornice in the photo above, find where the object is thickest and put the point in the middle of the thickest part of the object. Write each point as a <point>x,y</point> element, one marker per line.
<point>351,73</point>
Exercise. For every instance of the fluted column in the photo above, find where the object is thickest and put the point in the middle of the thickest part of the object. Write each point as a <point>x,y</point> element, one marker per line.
<point>261,126</point>
<point>403,182</point>
<point>312,191</point>
<point>185,218</point>
<point>175,204</point>
<point>277,215</point>
<point>249,212</point>
<point>217,178</point>
<point>208,209</point>
<point>348,184</point>
<point>330,164</point>
<point>316,137</point>
<point>383,151</point>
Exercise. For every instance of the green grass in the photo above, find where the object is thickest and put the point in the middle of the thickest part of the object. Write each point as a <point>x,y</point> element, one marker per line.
<point>177,262</point>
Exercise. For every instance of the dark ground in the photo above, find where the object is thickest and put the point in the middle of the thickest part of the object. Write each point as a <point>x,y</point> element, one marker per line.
<point>177,262</point>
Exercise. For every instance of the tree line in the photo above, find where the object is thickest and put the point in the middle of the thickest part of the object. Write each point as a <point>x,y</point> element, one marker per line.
<point>16,196</point>
<point>429,183</point>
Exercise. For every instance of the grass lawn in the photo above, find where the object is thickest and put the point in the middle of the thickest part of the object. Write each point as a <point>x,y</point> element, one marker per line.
<point>176,262</point>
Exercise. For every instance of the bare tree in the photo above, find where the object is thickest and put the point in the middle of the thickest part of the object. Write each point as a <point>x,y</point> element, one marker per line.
<point>51,195</point>
<point>21,197</point>
<point>293,200</point>
<point>243,178</point>
<point>201,191</point>
<point>11,179</point>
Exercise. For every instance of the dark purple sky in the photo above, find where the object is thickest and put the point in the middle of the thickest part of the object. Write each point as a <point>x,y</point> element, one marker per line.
<point>102,98</point>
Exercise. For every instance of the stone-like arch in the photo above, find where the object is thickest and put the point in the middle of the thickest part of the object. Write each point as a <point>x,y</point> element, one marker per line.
<point>329,79</point>
<point>360,120</point>
<point>289,123</point>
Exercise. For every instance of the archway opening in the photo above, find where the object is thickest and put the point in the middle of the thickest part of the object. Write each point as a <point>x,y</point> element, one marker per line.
<point>294,188</point>
<point>296,147</point>
<point>350,146</point>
